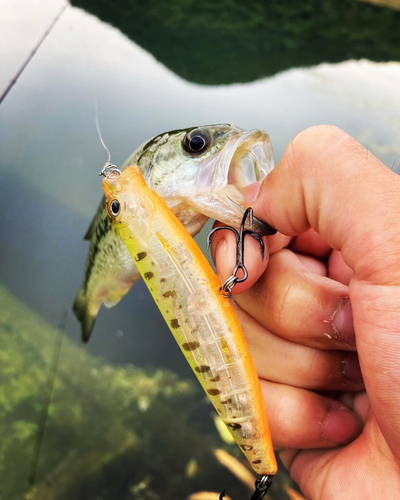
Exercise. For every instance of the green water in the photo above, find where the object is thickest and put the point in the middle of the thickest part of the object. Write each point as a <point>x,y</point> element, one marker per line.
<point>125,415</point>
<point>108,428</point>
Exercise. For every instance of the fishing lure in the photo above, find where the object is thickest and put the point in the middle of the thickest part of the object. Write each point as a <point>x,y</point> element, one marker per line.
<point>202,320</point>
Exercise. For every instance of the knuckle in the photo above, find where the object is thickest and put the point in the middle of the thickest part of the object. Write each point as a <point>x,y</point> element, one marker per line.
<point>281,310</point>
<point>315,142</point>
<point>319,133</point>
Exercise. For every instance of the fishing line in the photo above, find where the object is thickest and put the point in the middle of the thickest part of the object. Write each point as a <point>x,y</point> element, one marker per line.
<point>47,399</point>
<point>33,52</point>
<point>109,168</point>
<point>98,128</point>
<point>92,88</point>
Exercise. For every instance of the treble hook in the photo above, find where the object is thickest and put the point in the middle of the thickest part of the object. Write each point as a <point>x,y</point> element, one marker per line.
<point>226,288</point>
<point>262,486</point>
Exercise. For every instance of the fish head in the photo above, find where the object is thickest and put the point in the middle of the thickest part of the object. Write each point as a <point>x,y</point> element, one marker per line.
<point>204,171</point>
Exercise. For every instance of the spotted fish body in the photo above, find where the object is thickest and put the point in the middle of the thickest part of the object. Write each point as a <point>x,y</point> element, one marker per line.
<point>195,184</point>
<point>203,323</point>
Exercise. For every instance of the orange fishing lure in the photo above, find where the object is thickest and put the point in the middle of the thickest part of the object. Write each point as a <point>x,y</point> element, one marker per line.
<point>202,321</point>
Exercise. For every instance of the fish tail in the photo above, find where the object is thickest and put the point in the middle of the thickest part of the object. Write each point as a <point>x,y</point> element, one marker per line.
<point>81,311</point>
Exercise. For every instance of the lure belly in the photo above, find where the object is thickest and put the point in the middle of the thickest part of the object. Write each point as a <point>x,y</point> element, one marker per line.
<point>203,323</point>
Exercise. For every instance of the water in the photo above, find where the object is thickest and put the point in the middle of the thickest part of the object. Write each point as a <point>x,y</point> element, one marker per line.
<point>49,164</point>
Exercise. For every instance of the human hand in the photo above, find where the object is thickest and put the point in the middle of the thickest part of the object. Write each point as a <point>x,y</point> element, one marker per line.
<point>338,211</point>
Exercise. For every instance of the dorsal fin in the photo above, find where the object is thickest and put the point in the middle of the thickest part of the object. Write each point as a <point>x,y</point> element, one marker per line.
<point>99,215</point>
<point>90,231</point>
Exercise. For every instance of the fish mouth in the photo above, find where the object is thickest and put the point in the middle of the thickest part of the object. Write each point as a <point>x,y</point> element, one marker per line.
<point>251,159</point>
<point>244,160</point>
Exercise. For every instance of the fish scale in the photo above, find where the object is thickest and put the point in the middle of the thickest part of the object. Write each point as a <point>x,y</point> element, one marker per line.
<point>203,322</point>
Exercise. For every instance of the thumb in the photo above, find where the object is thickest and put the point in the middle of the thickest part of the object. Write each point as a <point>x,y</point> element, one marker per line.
<point>328,181</point>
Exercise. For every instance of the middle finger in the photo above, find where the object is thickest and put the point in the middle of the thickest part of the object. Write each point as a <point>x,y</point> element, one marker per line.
<point>279,360</point>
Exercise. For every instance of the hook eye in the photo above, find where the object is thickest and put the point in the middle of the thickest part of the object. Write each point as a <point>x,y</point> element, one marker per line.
<point>240,266</point>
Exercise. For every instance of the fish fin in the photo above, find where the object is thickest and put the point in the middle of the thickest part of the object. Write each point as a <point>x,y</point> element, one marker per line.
<point>114,297</point>
<point>81,311</point>
<point>90,231</point>
<point>112,300</point>
<point>98,217</point>
<point>87,327</point>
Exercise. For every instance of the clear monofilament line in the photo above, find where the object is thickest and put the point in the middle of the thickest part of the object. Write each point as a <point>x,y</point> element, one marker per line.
<point>99,131</point>
<point>109,168</point>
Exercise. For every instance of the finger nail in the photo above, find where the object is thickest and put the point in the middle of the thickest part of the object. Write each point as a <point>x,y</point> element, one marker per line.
<point>352,370</point>
<point>341,426</point>
<point>343,323</point>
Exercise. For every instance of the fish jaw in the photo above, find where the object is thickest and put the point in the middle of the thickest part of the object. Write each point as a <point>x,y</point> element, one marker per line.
<point>246,158</point>
<point>221,181</point>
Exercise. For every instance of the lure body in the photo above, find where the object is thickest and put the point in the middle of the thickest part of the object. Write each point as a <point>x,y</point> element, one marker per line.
<point>203,323</point>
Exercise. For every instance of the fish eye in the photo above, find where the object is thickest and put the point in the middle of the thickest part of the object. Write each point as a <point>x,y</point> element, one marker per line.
<point>114,208</point>
<point>196,141</point>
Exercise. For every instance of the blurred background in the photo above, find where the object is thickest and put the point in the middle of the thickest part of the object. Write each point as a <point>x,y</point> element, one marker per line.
<point>123,417</point>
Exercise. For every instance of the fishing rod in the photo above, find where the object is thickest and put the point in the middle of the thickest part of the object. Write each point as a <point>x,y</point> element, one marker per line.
<point>33,52</point>
<point>47,398</point>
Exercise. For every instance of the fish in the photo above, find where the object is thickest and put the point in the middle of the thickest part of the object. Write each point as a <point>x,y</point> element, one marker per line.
<point>200,172</point>
<point>203,322</point>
